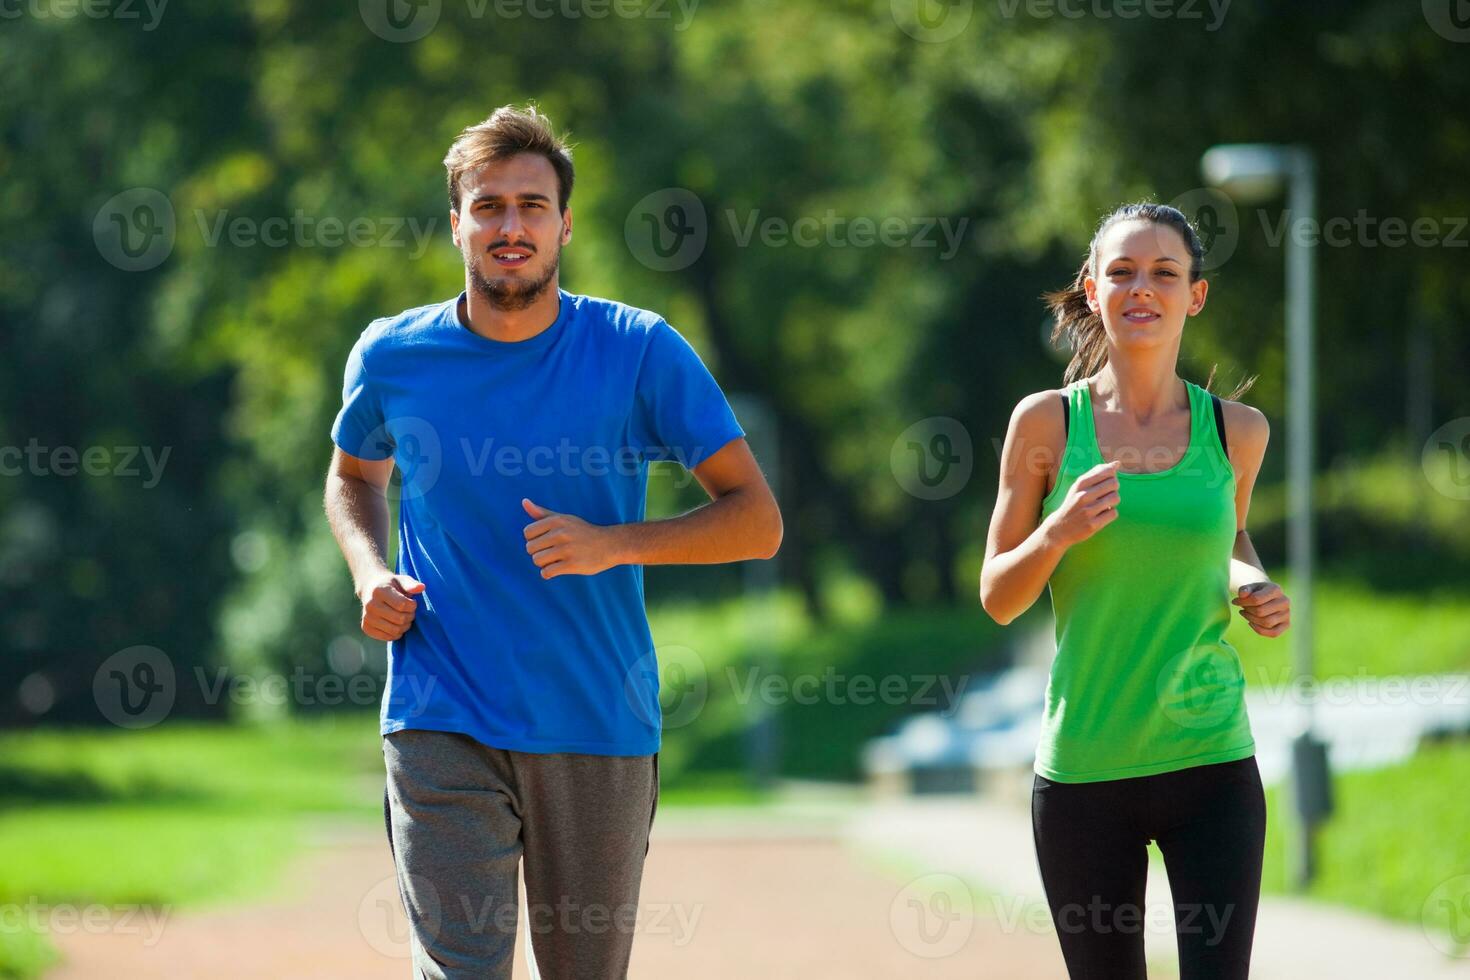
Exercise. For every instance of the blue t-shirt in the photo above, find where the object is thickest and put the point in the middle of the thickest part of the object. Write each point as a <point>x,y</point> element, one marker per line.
<point>570,419</point>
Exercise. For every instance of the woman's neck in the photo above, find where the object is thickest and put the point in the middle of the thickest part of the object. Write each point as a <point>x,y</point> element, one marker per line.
<point>1140,389</point>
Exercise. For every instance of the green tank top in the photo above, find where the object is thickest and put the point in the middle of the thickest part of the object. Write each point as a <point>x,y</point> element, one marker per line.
<point>1143,681</point>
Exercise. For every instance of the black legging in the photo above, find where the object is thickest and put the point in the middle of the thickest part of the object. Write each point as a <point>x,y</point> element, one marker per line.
<point>1092,846</point>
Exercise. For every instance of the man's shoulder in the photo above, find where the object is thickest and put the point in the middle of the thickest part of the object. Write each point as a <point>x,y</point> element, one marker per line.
<point>620,319</point>
<point>406,322</point>
<point>392,331</point>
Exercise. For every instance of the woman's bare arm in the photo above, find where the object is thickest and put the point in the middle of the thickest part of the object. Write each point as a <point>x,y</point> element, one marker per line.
<point>1022,550</point>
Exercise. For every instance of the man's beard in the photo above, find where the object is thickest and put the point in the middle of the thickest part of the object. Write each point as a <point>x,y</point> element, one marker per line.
<point>509,294</point>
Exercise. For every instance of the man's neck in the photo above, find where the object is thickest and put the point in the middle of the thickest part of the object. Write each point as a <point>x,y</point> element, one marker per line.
<point>510,326</point>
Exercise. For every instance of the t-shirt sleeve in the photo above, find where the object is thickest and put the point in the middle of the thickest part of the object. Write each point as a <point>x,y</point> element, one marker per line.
<point>359,430</point>
<point>680,413</point>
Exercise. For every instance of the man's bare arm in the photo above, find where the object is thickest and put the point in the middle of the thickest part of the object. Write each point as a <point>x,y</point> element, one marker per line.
<point>356,502</point>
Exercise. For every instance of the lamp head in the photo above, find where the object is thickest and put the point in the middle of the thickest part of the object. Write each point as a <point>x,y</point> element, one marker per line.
<point>1248,172</point>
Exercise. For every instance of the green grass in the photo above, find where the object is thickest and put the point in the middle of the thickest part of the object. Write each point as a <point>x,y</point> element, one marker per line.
<point>830,687</point>
<point>1379,519</point>
<point>710,789</point>
<point>1394,561</point>
<point>1398,834</point>
<point>24,954</point>
<point>1361,631</point>
<point>190,815</point>
<point>731,649</point>
<point>186,816</point>
<point>182,815</point>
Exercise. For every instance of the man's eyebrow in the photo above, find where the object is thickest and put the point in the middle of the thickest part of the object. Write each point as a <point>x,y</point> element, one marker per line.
<point>523,196</point>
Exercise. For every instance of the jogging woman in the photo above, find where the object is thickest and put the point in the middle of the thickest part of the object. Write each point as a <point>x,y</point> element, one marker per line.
<point>1127,492</point>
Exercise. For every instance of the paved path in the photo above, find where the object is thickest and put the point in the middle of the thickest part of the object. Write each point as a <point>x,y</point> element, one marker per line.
<point>989,845</point>
<point>908,889</point>
<point>721,900</point>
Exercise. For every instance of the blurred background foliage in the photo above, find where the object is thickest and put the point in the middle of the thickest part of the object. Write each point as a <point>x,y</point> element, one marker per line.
<point>230,355</point>
<point>1021,131</point>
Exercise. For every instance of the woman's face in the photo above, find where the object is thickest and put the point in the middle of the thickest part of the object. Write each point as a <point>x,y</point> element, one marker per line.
<point>1141,287</point>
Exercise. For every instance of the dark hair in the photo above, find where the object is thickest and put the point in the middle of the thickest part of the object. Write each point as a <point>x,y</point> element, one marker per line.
<point>509,131</point>
<point>1081,330</point>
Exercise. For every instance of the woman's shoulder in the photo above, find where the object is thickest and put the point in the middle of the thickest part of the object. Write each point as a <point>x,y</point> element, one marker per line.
<point>1246,427</point>
<point>1042,415</point>
<point>1046,396</point>
<point>1248,420</point>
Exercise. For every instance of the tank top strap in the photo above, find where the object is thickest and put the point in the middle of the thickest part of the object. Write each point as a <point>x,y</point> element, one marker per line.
<point>1081,433</point>
<point>1197,414</point>
<point>1204,435</point>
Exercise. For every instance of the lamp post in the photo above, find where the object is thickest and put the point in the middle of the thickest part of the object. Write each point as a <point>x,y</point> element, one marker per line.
<point>760,581</point>
<point>1251,172</point>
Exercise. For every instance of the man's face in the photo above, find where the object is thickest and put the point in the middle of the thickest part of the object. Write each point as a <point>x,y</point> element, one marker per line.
<point>510,230</point>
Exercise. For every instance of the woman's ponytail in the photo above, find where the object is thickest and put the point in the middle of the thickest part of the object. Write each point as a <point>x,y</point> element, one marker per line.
<point>1077,329</point>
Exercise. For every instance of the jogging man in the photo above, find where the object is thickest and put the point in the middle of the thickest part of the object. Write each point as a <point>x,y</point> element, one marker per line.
<point>520,721</point>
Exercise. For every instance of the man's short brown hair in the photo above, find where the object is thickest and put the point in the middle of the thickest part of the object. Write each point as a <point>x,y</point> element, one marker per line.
<point>508,131</point>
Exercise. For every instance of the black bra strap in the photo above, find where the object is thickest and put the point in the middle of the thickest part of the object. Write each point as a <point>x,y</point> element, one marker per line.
<point>1220,424</point>
<point>1066,414</point>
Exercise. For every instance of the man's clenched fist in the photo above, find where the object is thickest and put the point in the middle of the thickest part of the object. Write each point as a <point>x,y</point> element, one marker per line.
<point>388,605</point>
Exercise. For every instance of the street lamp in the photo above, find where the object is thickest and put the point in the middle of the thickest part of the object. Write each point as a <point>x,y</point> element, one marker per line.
<point>1249,173</point>
<point>760,581</point>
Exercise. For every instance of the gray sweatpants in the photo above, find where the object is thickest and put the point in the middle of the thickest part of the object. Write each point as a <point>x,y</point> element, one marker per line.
<point>462,817</point>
